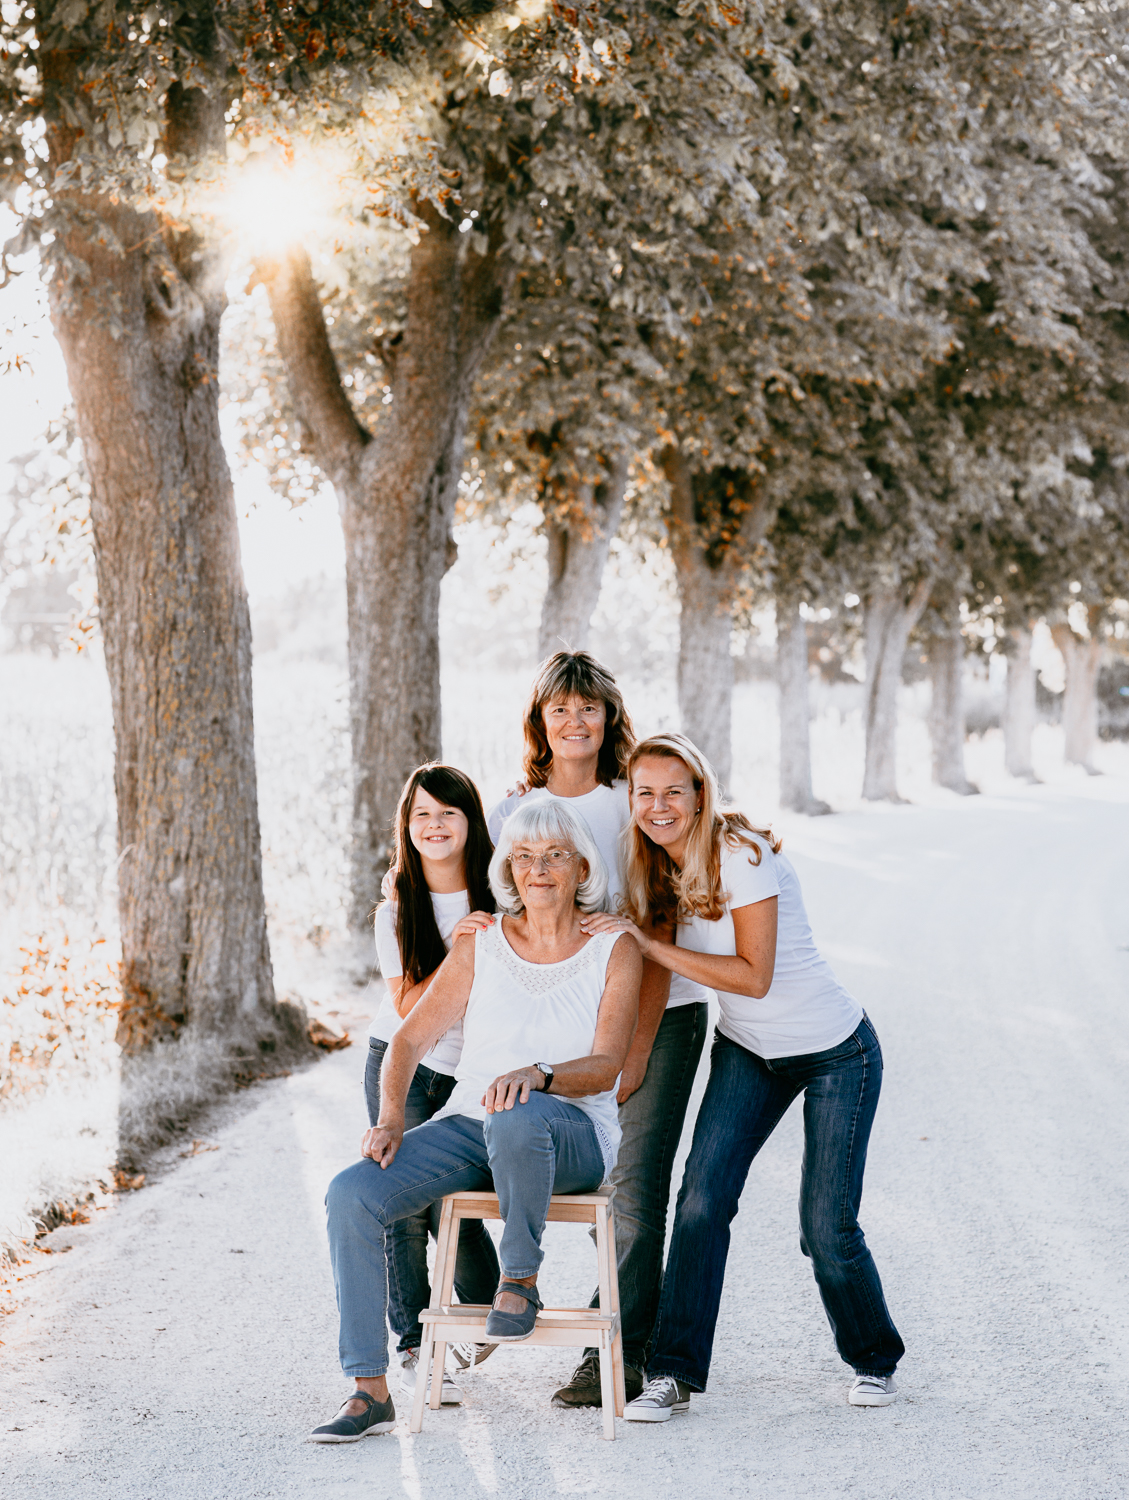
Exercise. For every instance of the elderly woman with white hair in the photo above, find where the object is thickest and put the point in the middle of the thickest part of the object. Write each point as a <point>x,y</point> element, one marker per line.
<point>548,1015</point>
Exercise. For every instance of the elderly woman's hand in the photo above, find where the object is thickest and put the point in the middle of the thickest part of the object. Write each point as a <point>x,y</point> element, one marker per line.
<point>513,1088</point>
<point>594,922</point>
<point>475,921</point>
<point>381,1142</point>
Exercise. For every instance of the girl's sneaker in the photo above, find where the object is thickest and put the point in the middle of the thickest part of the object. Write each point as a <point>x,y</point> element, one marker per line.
<point>409,1374</point>
<point>466,1356</point>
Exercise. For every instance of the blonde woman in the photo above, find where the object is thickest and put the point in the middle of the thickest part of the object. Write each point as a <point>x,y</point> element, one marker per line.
<point>787,1026</point>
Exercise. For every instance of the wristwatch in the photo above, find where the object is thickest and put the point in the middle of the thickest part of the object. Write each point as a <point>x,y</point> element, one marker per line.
<point>548,1072</point>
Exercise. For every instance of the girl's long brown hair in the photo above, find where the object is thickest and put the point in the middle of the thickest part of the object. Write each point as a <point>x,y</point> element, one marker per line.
<point>656,890</point>
<point>564,674</point>
<point>422,949</point>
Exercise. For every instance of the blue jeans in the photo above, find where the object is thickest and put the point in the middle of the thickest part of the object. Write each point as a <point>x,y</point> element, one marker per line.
<point>476,1269</point>
<point>524,1154</point>
<point>745,1099</point>
<point>651,1121</point>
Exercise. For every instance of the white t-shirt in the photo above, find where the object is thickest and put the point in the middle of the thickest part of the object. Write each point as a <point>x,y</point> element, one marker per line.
<point>449,909</point>
<point>607,811</point>
<point>520,1012</point>
<point>806,1008</point>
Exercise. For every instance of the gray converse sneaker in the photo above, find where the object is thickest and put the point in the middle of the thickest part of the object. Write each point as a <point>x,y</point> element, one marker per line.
<point>409,1374</point>
<point>661,1398</point>
<point>872,1390</point>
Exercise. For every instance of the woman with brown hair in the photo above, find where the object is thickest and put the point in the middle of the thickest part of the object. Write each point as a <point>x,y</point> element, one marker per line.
<point>578,737</point>
<point>787,1027</point>
<point>578,741</point>
<point>439,892</point>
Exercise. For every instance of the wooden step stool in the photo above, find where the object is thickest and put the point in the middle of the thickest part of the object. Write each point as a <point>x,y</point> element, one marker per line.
<point>460,1322</point>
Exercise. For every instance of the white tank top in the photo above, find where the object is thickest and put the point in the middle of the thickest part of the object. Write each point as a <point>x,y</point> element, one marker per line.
<point>521,1013</point>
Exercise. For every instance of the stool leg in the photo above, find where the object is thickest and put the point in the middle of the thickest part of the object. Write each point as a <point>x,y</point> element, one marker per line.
<point>607,1386</point>
<point>617,1342</point>
<point>609,1303</point>
<point>446,1249</point>
<point>422,1371</point>
<point>438,1370</point>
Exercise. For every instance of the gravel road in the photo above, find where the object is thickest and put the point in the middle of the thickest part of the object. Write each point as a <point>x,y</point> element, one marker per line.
<point>186,1343</point>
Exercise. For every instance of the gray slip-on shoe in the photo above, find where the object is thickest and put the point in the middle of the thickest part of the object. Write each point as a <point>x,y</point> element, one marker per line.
<point>511,1328</point>
<point>377,1417</point>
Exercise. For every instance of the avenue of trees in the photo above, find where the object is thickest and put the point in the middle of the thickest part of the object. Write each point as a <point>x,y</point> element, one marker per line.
<point>833,293</point>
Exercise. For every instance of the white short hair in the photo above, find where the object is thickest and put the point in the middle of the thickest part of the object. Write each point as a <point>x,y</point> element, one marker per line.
<point>547,819</point>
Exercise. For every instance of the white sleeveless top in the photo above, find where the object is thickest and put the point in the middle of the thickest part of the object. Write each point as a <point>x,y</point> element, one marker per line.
<point>520,1013</point>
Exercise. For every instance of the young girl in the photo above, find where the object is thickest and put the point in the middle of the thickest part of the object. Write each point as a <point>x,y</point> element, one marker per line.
<point>787,1027</point>
<point>441,892</point>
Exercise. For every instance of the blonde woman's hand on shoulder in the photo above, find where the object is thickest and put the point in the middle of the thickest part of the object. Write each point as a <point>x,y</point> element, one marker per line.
<point>596,922</point>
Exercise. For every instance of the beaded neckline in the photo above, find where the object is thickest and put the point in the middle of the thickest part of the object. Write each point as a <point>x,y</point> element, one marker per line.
<point>541,979</point>
<point>533,964</point>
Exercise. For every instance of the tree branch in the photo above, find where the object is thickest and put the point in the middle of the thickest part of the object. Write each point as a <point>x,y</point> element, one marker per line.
<point>328,424</point>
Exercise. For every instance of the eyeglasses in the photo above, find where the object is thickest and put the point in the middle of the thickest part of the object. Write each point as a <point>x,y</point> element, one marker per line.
<point>552,861</point>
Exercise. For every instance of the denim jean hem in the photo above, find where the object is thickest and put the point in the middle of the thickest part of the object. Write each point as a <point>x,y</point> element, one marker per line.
<point>365,1374</point>
<point>656,1372</point>
<point>877,1374</point>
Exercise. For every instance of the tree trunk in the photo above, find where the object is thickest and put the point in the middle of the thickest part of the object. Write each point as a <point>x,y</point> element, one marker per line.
<point>705,663</point>
<point>1019,707</point>
<point>1082,656</point>
<point>710,513</point>
<point>396,490</point>
<point>946,710</point>
<point>140,339</point>
<point>795,711</point>
<point>580,536</point>
<point>889,619</point>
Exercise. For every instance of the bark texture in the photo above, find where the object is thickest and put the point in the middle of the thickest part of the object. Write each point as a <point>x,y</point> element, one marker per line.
<point>890,616</point>
<point>396,489</point>
<point>580,533</point>
<point>946,710</point>
<point>715,516</point>
<point>793,676</point>
<point>1019,707</point>
<point>1082,656</point>
<point>140,337</point>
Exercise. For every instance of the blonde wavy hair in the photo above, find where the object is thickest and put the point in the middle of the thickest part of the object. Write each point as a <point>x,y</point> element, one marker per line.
<point>656,890</point>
